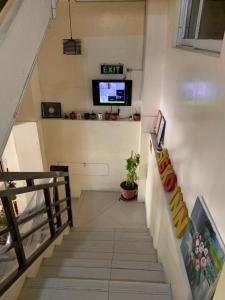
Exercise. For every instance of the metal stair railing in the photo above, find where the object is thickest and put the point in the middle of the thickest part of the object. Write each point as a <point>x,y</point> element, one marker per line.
<point>53,206</point>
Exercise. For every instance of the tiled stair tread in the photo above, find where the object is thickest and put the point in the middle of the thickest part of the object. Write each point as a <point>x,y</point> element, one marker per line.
<point>137,275</point>
<point>108,236</point>
<point>107,246</point>
<point>101,264</point>
<point>101,273</point>
<point>74,272</point>
<point>73,262</point>
<point>70,289</point>
<point>91,236</point>
<point>136,265</point>
<point>49,294</point>
<point>104,255</point>
<point>139,287</point>
<point>67,283</point>
<point>96,263</point>
<point>136,257</point>
<point>138,296</point>
<point>59,253</point>
<point>83,243</point>
<point>98,285</point>
<point>95,229</point>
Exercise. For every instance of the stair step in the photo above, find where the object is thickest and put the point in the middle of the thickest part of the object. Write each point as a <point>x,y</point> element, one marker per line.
<point>136,265</point>
<point>96,263</point>
<point>91,236</point>
<point>105,256</point>
<point>74,262</point>
<point>109,236</point>
<point>137,275</point>
<point>152,257</point>
<point>70,289</point>
<point>59,253</point>
<point>107,246</point>
<point>139,291</point>
<point>74,272</point>
<point>90,229</point>
<point>101,273</point>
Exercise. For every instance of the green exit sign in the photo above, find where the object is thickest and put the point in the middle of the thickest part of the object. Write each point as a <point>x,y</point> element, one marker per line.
<point>111,69</point>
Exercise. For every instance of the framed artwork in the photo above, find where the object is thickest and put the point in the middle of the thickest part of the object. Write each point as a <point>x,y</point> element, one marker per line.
<point>158,120</point>
<point>161,131</point>
<point>51,110</point>
<point>203,252</point>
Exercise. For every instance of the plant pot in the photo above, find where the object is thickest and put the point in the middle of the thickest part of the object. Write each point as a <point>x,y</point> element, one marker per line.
<point>128,193</point>
<point>136,117</point>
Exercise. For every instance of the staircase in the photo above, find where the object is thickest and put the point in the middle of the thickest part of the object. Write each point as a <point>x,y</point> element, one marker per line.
<point>101,264</point>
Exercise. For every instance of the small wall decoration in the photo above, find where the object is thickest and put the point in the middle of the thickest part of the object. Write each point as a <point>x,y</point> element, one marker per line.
<point>161,131</point>
<point>158,120</point>
<point>51,109</point>
<point>178,208</point>
<point>203,252</point>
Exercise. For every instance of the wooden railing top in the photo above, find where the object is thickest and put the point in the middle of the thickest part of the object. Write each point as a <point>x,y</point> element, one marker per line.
<point>14,176</point>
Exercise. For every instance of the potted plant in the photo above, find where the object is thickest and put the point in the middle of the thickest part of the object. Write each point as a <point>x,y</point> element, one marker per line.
<point>12,185</point>
<point>129,187</point>
<point>3,224</point>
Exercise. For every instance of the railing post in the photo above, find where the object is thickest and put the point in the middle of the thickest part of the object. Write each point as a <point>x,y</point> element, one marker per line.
<point>67,191</point>
<point>14,231</point>
<point>57,206</point>
<point>49,212</point>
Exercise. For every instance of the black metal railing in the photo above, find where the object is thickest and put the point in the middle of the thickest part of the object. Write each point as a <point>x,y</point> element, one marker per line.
<point>53,206</point>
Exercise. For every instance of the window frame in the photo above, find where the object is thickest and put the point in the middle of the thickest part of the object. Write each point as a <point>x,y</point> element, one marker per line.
<point>200,44</point>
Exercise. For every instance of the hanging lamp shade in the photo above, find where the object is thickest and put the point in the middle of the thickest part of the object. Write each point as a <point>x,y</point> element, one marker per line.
<point>71,46</point>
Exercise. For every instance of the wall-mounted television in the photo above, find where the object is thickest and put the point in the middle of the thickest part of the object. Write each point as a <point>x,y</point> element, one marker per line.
<point>112,92</point>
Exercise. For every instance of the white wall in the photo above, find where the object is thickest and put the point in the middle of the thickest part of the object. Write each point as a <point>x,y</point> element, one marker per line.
<point>23,154</point>
<point>28,147</point>
<point>193,102</point>
<point>20,40</point>
<point>95,151</point>
<point>154,61</point>
<point>159,222</point>
<point>110,33</point>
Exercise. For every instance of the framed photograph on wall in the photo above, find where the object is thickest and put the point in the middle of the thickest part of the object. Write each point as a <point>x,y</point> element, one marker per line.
<point>51,110</point>
<point>158,121</point>
<point>161,131</point>
<point>203,252</point>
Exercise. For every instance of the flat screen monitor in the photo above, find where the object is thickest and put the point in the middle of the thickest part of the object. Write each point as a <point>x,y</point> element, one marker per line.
<point>112,92</point>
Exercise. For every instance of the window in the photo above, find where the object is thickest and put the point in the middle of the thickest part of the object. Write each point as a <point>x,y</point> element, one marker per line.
<point>2,4</point>
<point>202,24</point>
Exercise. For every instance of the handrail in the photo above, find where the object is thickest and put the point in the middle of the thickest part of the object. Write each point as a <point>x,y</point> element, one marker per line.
<point>51,207</point>
<point>6,176</point>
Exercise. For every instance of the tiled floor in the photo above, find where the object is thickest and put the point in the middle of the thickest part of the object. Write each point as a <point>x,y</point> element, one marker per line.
<point>103,210</point>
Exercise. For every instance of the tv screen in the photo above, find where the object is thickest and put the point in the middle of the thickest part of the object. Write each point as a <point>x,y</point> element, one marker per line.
<point>112,92</point>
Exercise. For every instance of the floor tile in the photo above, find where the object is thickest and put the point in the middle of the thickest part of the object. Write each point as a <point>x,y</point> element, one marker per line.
<point>137,275</point>
<point>74,272</point>
<point>57,294</point>
<point>103,210</point>
<point>58,253</point>
<point>73,262</point>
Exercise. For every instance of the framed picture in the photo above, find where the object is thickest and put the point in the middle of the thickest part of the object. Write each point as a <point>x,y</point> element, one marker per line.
<point>51,110</point>
<point>161,131</point>
<point>203,252</point>
<point>158,120</point>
